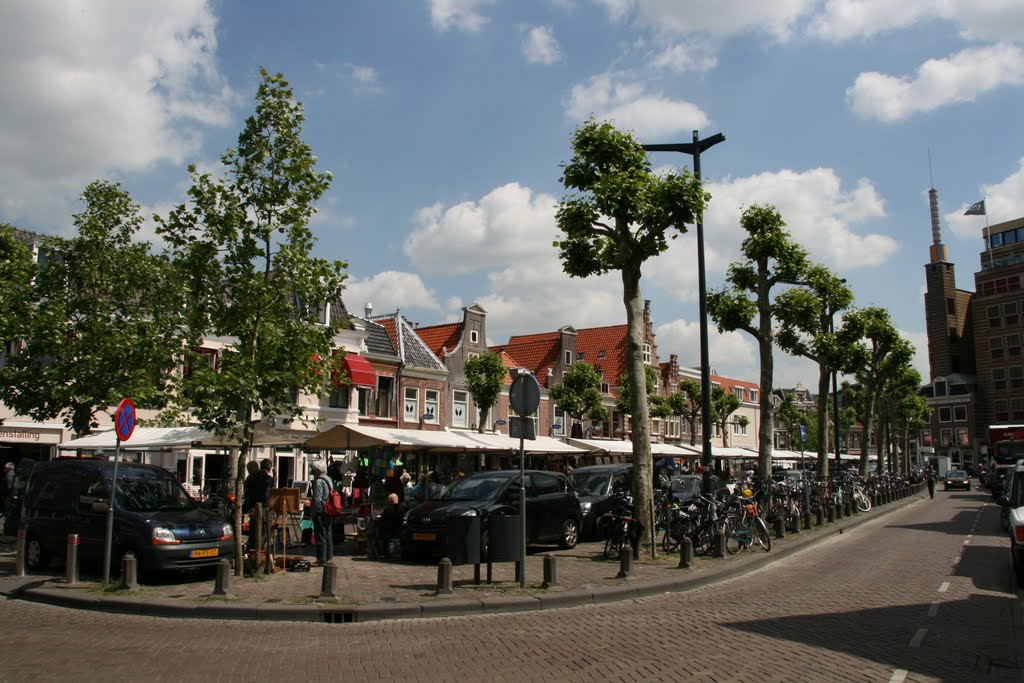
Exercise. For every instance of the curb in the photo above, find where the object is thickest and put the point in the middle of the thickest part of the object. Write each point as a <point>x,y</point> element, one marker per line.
<point>688,579</point>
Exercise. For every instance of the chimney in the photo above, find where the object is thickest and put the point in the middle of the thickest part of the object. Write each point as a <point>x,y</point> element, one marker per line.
<point>368,309</point>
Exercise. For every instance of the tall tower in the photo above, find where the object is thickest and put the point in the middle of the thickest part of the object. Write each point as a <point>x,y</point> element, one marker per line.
<point>946,308</point>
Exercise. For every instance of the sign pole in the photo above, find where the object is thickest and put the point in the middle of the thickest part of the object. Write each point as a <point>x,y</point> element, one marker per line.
<point>124,425</point>
<point>522,512</point>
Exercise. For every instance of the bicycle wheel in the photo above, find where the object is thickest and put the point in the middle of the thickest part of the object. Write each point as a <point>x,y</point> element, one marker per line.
<point>611,546</point>
<point>733,542</point>
<point>760,533</point>
<point>863,502</point>
<point>673,535</point>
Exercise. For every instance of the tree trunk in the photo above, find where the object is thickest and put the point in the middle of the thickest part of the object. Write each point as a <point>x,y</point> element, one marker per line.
<point>823,397</point>
<point>764,346</point>
<point>643,465</point>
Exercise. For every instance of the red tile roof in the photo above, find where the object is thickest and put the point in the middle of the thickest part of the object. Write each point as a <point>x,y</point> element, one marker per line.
<point>535,352</point>
<point>389,326</point>
<point>612,340</point>
<point>438,337</point>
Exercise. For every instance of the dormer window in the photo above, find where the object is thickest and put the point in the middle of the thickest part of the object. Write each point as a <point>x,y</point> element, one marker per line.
<point>568,357</point>
<point>474,337</point>
<point>940,387</point>
<point>600,354</point>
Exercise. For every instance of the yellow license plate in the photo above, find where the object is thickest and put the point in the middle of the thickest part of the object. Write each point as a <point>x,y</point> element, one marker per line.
<point>207,552</point>
<point>424,537</point>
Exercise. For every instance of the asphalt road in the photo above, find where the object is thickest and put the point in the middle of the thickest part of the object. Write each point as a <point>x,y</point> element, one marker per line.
<point>922,594</point>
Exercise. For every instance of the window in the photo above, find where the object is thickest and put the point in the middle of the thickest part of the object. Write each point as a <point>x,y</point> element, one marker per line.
<point>430,411</point>
<point>412,404</point>
<point>940,387</point>
<point>995,347</point>
<point>945,437</point>
<point>1017,408</point>
<point>993,316</point>
<point>1010,313</point>
<point>1016,376</point>
<point>579,355</point>
<point>474,337</point>
<point>999,378</point>
<point>323,313</point>
<point>945,414</point>
<point>753,395</point>
<point>950,306</point>
<point>363,401</point>
<point>207,357</point>
<point>739,392</point>
<point>1013,282</point>
<point>960,413</point>
<point>1013,344</point>
<point>547,483</point>
<point>382,405</point>
<point>568,357</point>
<point>339,397</point>
<point>605,389</point>
<point>460,409</point>
<point>962,438</point>
<point>600,354</point>
<point>559,424</point>
<point>647,353</point>
<point>1002,410</point>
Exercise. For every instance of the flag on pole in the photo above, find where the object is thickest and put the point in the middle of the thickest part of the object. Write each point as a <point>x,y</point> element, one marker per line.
<point>976,209</point>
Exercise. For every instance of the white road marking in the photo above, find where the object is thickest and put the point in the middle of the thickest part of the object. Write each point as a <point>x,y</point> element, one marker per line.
<point>933,609</point>
<point>898,676</point>
<point>918,637</point>
<point>944,587</point>
<point>966,541</point>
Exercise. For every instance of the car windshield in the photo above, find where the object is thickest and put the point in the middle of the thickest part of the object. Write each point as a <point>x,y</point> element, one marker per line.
<point>956,474</point>
<point>590,483</point>
<point>686,485</point>
<point>474,488</point>
<point>151,494</point>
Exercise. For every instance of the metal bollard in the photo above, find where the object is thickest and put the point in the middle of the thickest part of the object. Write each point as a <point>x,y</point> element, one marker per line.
<point>444,577</point>
<point>71,575</point>
<point>625,561</point>
<point>846,508</point>
<point>19,557</point>
<point>719,543</point>
<point>795,526</point>
<point>819,516</point>
<point>780,531</point>
<point>685,553</point>
<point>329,581</point>
<point>550,571</point>
<point>129,572</point>
<point>831,510</point>
<point>839,511</point>
<point>222,584</point>
<point>807,519</point>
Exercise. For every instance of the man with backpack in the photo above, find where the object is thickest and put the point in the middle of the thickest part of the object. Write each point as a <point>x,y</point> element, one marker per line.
<point>322,532</point>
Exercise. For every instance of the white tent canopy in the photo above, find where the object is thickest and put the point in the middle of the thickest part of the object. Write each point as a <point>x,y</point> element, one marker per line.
<point>619,447</point>
<point>359,436</point>
<point>142,439</point>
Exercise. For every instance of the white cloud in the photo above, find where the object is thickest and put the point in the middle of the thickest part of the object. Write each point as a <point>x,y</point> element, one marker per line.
<point>617,9</point>
<point>389,291</point>
<point>460,15</point>
<point>1003,201</point>
<point>540,46</point>
<point>684,57</point>
<point>724,17</point>
<point>506,225</point>
<point>92,89</point>
<point>959,78</point>
<point>627,104</point>
<point>991,20</point>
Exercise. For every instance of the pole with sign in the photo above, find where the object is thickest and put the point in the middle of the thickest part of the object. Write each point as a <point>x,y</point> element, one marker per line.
<point>803,468</point>
<point>124,425</point>
<point>523,397</point>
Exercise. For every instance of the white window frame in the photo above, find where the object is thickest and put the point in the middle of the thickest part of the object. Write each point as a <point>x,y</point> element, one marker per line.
<point>474,337</point>
<point>431,406</point>
<point>647,353</point>
<point>411,404</point>
<point>568,357</point>
<point>558,417</point>
<point>460,399</point>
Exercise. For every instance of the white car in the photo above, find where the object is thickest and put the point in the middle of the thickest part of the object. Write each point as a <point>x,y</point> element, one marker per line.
<point>1013,503</point>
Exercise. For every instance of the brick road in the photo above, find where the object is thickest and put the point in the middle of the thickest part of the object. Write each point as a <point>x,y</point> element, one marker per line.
<point>921,594</point>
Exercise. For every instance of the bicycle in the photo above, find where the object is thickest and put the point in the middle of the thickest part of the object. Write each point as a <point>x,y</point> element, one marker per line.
<point>744,527</point>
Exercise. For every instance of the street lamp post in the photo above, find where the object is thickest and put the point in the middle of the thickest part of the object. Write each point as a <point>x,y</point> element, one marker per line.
<point>694,149</point>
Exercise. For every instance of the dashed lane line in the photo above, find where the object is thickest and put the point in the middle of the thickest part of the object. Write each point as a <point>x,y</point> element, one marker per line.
<point>933,609</point>
<point>944,587</point>
<point>898,676</point>
<point>918,638</point>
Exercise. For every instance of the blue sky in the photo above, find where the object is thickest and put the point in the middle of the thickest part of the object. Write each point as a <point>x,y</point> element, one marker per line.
<point>445,123</point>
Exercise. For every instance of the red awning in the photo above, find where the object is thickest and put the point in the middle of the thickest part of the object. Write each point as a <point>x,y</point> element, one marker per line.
<point>360,371</point>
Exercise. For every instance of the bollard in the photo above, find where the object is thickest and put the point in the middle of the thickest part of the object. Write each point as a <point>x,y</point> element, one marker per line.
<point>807,519</point>
<point>795,526</point>
<point>129,572</point>
<point>329,581</point>
<point>19,557</point>
<point>222,584</point>
<point>875,500</point>
<point>550,571</point>
<point>719,543</point>
<point>839,511</point>
<point>625,561</point>
<point>831,510</point>
<point>846,508</point>
<point>685,553</point>
<point>819,516</point>
<point>72,559</point>
<point>780,531</point>
<point>444,577</point>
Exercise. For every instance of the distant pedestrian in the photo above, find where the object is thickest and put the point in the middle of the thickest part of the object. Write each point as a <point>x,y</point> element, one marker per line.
<point>930,476</point>
<point>322,531</point>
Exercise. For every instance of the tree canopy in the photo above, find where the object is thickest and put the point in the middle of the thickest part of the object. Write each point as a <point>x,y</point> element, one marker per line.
<point>485,378</point>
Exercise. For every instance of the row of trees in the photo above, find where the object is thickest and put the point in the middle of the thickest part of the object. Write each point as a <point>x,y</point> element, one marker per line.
<point>617,213</point>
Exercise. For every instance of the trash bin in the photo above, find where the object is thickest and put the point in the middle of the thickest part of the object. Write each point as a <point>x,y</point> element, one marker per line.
<point>462,542</point>
<point>504,538</point>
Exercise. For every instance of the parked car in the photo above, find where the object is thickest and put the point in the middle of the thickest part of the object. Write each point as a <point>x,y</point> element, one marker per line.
<point>956,479</point>
<point>553,512</point>
<point>685,487</point>
<point>594,485</point>
<point>154,517</point>
<point>1012,503</point>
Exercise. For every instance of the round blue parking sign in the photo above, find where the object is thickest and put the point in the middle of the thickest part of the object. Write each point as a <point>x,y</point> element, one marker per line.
<point>124,419</point>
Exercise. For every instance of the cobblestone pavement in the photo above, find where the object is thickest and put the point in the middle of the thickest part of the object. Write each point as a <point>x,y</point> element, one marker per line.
<point>921,594</point>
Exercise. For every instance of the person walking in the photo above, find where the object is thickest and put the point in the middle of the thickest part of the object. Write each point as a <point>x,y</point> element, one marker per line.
<point>930,476</point>
<point>322,531</point>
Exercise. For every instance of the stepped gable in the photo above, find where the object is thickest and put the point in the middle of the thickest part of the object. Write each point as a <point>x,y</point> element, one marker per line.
<point>605,349</point>
<point>441,338</point>
<point>535,352</point>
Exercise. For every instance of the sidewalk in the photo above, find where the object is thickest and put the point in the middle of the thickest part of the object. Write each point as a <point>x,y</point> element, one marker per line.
<point>369,590</point>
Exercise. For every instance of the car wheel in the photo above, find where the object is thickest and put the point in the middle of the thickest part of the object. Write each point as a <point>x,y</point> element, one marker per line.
<point>36,556</point>
<point>570,534</point>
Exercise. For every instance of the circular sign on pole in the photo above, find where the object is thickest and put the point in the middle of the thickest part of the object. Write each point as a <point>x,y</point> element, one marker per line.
<point>124,419</point>
<point>524,394</point>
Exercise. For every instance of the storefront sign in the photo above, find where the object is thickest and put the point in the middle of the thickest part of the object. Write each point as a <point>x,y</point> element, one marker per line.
<point>22,435</point>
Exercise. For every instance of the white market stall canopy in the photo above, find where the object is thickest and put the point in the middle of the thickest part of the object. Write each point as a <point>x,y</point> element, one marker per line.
<point>620,447</point>
<point>165,438</point>
<point>359,436</point>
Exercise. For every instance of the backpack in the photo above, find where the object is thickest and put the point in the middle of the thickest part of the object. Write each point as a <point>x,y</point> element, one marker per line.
<point>332,504</point>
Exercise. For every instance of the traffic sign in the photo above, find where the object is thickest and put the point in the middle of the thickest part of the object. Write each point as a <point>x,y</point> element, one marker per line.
<point>524,394</point>
<point>124,419</point>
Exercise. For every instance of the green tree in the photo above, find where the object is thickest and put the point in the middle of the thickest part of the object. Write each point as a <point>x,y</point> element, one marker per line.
<point>687,403</point>
<point>98,329</point>
<point>579,395</point>
<point>17,272</point>
<point>485,378</point>
<point>791,417</point>
<point>910,414</point>
<point>883,351</point>
<point>723,405</point>
<point>624,399</point>
<point>242,251</point>
<point>616,216</point>
<point>807,316</point>
<point>770,258</point>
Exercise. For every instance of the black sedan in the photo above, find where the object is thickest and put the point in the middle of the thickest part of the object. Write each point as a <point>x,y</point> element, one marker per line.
<point>956,479</point>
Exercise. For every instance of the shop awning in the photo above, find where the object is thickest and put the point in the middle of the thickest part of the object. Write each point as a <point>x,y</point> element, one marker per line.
<point>359,370</point>
<point>358,436</point>
<point>142,439</point>
<point>620,447</point>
